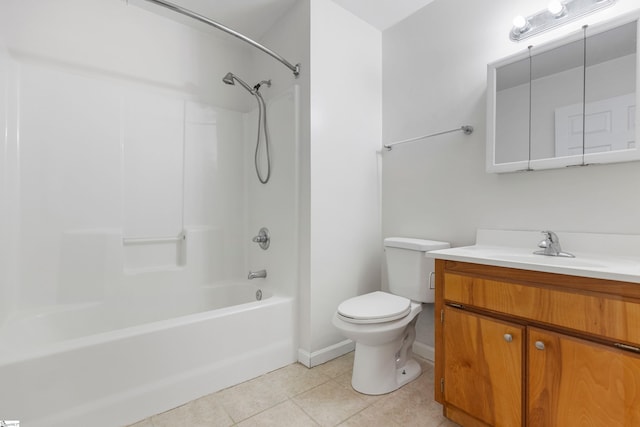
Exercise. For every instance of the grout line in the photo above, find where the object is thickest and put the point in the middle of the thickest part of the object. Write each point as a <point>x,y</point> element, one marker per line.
<point>305,412</point>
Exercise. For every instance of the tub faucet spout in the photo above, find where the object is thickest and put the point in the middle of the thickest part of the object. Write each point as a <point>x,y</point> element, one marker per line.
<point>260,274</point>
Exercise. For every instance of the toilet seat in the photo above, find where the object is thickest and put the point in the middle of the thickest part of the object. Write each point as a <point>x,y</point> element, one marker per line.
<point>375,307</point>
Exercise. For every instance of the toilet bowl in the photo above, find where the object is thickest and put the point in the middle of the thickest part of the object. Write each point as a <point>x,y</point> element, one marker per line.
<point>382,324</point>
<point>383,358</point>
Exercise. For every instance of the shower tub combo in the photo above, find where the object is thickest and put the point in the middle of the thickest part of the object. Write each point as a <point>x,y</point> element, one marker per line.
<point>115,362</point>
<point>121,329</point>
<point>96,327</point>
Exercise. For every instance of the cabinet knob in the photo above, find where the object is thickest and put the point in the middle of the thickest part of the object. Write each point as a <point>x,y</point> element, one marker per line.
<point>508,337</point>
<point>539,345</point>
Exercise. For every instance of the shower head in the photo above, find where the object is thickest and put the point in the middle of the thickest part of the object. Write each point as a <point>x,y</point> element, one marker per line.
<point>230,79</point>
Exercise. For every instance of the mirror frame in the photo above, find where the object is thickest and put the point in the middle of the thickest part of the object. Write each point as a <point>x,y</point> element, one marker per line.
<point>632,154</point>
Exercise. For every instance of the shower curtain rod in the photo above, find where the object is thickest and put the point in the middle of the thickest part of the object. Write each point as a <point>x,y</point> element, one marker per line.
<point>467,129</point>
<point>294,68</point>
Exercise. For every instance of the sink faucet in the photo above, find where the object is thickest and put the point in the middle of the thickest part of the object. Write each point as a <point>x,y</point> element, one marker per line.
<point>260,274</point>
<point>551,246</point>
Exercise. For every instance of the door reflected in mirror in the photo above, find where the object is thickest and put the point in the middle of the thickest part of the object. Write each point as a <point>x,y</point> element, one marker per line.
<point>610,90</point>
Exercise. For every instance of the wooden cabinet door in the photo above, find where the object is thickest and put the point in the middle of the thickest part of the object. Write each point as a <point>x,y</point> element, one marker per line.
<point>573,382</point>
<point>483,367</point>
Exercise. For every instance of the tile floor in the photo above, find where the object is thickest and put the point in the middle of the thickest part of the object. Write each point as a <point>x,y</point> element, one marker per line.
<point>299,397</point>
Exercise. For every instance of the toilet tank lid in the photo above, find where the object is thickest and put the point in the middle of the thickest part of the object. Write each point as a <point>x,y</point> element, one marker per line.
<point>414,244</point>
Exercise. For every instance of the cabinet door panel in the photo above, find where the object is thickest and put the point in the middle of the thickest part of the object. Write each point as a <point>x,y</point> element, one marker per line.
<point>482,368</point>
<point>573,382</point>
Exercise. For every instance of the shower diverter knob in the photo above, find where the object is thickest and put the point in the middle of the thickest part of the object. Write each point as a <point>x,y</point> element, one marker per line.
<point>263,239</point>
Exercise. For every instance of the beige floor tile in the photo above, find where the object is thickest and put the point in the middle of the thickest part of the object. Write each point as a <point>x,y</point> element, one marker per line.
<point>286,414</point>
<point>330,403</point>
<point>298,396</point>
<point>295,379</point>
<point>411,408</point>
<point>345,381</point>
<point>424,383</point>
<point>249,398</point>
<point>203,412</point>
<point>370,417</point>
<point>336,367</point>
<point>448,423</point>
<point>144,423</point>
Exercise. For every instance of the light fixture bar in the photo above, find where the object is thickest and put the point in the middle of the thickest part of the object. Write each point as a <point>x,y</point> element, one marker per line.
<point>546,20</point>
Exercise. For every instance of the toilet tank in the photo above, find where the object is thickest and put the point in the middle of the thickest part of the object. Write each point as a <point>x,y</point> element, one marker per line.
<point>408,269</point>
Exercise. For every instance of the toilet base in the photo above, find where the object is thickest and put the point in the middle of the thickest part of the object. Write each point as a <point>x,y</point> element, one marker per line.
<point>375,371</point>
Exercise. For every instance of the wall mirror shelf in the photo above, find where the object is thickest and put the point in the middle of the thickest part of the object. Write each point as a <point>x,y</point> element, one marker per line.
<point>571,102</point>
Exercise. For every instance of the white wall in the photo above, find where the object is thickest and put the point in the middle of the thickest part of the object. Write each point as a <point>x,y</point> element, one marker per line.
<point>124,40</point>
<point>434,78</point>
<point>339,245</point>
<point>344,228</point>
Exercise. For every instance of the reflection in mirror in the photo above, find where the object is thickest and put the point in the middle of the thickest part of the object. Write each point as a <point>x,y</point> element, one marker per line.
<point>557,81</point>
<point>512,112</point>
<point>537,100</point>
<point>610,92</point>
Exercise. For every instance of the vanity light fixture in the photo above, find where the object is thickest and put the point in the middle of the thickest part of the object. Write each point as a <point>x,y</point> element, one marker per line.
<point>557,9</point>
<point>557,13</point>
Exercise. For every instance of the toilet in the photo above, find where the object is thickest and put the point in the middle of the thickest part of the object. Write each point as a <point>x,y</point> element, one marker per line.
<point>382,324</point>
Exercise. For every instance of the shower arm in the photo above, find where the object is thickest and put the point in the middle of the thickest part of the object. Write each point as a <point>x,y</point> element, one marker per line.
<point>294,68</point>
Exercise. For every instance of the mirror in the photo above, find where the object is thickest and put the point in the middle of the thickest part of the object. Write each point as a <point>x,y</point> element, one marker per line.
<point>610,94</point>
<point>557,81</point>
<point>512,108</point>
<point>568,103</point>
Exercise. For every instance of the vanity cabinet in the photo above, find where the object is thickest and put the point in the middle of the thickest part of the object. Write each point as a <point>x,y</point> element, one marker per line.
<point>518,347</point>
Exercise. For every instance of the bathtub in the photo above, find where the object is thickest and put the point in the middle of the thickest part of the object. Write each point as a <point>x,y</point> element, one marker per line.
<point>116,362</point>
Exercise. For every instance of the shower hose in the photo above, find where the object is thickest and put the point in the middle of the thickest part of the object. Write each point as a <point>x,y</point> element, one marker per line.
<point>262,127</point>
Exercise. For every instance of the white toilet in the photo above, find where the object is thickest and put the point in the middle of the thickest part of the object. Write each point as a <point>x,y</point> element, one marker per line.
<point>383,324</point>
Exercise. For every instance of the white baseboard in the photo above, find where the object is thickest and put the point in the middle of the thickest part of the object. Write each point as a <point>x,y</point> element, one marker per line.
<point>328,353</point>
<point>424,351</point>
<point>324,355</point>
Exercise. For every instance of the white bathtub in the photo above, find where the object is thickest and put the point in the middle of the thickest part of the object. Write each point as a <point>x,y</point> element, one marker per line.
<point>114,363</point>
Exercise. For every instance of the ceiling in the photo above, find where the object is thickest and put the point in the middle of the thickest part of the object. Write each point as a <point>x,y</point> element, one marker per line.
<point>254,17</point>
<point>382,14</point>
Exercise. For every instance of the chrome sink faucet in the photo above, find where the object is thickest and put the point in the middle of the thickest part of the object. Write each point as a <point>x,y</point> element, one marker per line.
<point>551,246</point>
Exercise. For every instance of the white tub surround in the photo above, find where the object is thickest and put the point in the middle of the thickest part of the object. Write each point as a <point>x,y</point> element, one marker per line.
<point>602,256</point>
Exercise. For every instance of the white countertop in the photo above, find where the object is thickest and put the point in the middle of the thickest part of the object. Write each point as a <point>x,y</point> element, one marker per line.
<point>602,256</point>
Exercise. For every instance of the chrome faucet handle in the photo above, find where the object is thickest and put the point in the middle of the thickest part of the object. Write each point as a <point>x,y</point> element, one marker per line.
<point>263,238</point>
<point>551,236</point>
